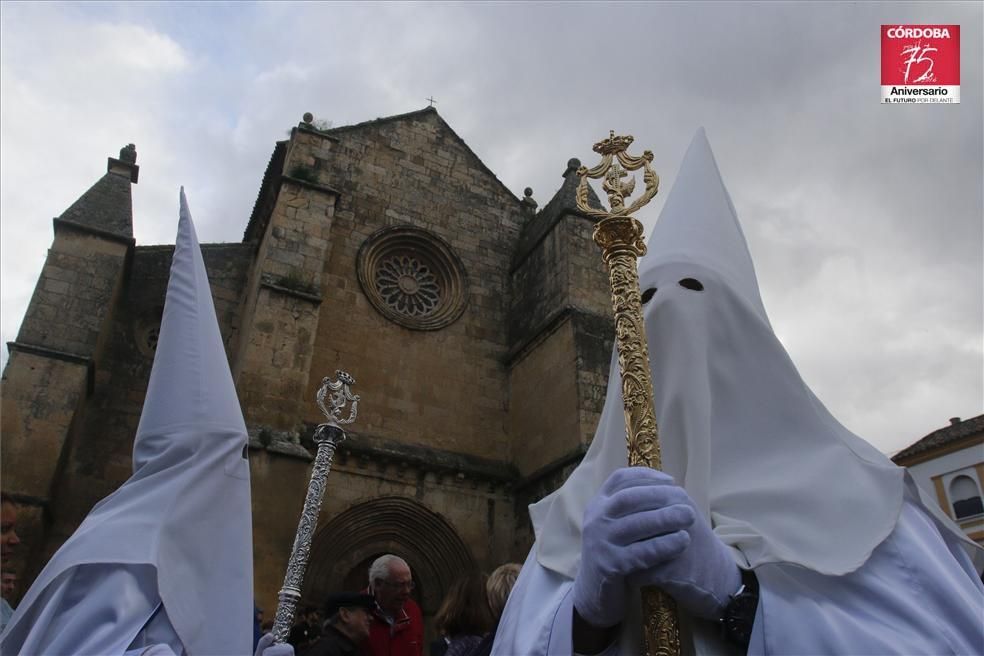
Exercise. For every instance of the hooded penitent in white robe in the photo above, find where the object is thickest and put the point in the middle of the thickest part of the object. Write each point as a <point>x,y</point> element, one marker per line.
<point>828,523</point>
<point>165,562</point>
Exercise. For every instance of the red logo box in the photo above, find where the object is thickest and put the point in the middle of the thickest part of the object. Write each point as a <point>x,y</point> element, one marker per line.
<point>920,63</point>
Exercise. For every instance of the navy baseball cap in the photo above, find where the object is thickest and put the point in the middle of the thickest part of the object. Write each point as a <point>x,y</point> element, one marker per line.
<point>348,600</point>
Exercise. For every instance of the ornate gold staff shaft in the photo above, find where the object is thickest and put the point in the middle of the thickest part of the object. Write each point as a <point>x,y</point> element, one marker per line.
<point>620,238</point>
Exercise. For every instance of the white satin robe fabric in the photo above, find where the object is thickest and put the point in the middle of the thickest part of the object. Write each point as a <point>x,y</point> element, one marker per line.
<point>917,594</point>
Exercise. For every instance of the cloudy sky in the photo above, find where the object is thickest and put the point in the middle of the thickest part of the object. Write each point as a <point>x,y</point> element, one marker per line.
<point>864,220</point>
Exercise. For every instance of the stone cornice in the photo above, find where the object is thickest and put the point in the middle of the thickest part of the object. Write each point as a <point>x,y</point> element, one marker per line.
<point>361,446</point>
<point>363,450</point>
<point>318,133</point>
<point>45,352</point>
<point>283,442</point>
<point>551,468</point>
<point>549,324</point>
<point>325,189</point>
<point>130,242</point>
<point>312,298</point>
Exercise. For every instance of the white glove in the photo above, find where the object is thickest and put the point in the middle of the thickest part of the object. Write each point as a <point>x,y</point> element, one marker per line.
<point>265,647</point>
<point>641,529</point>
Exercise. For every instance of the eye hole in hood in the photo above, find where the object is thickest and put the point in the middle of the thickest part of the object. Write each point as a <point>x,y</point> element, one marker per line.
<point>692,284</point>
<point>648,294</point>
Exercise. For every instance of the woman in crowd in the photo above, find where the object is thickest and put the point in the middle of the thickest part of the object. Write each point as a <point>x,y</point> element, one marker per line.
<point>464,617</point>
<point>497,590</point>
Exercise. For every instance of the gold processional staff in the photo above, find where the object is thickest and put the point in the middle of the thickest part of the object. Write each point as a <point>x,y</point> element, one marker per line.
<point>620,238</point>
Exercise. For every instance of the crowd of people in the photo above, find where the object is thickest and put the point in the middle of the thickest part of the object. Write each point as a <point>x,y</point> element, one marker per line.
<point>384,620</point>
<point>381,620</point>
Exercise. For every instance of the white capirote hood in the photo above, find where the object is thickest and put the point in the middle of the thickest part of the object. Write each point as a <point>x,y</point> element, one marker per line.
<point>780,479</point>
<point>185,511</point>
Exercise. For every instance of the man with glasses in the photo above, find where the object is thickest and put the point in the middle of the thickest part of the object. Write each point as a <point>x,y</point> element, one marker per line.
<point>397,626</point>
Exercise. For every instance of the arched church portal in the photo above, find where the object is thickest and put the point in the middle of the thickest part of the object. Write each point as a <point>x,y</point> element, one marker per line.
<point>343,549</point>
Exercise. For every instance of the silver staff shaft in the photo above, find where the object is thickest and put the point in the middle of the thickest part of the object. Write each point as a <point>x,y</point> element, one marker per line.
<point>333,397</point>
<point>328,438</point>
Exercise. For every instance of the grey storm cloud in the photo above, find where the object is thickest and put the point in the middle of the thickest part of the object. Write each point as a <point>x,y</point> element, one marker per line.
<point>864,220</point>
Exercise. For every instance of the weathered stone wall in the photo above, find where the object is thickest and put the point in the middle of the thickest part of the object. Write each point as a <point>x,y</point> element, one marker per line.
<point>544,413</point>
<point>561,334</point>
<point>75,294</point>
<point>54,365</point>
<point>587,275</point>
<point>540,288</point>
<point>283,302</point>
<point>41,395</point>
<point>594,341</point>
<point>561,337</point>
<point>278,485</point>
<point>557,392</point>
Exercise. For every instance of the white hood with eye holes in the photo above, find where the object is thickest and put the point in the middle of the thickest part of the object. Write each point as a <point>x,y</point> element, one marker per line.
<point>778,476</point>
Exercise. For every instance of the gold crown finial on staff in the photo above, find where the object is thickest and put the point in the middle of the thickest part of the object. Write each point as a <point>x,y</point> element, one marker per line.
<point>620,236</point>
<point>613,144</point>
<point>616,164</point>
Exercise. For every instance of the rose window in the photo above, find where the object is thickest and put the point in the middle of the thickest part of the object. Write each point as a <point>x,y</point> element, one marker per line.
<point>408,286</point>
<point>412,277</point>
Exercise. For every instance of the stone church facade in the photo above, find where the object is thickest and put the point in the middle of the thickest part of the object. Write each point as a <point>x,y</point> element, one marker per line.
<point>478,330</point>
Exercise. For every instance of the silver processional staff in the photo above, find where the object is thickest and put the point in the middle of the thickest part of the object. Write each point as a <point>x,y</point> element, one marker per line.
<point>333,396</point>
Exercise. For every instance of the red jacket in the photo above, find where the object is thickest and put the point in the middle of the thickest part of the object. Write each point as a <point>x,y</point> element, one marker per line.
<point>404,638</point>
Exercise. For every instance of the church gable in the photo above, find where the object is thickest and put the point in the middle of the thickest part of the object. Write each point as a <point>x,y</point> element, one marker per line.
<point>400,238</point>
<point>414,169</point>
<point>447,145</point>
<point>416,282</point>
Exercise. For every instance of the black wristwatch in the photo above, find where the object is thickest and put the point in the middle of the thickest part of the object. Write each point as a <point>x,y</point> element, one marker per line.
<point>739,614</point>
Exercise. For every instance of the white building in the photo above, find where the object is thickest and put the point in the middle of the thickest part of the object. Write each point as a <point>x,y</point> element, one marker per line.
<point>950,462</point>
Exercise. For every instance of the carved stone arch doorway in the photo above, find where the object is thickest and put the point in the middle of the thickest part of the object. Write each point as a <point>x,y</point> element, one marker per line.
<point>343,549</point>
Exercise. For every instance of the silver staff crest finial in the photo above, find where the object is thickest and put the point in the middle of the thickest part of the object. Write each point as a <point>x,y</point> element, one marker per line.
<point>338,393</point>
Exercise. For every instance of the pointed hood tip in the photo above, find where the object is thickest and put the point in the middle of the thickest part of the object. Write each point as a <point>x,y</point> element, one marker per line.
<point>189,343</point>
<point>699,224</point>
<point>700,140</point>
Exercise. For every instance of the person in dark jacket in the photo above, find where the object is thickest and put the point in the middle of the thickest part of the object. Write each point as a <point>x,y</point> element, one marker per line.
<point>346,627</point>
